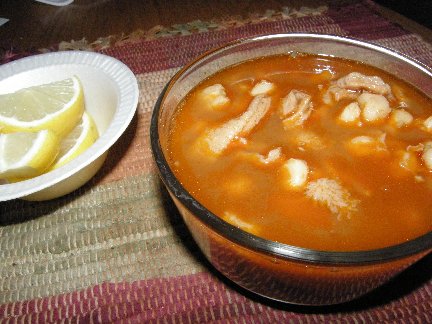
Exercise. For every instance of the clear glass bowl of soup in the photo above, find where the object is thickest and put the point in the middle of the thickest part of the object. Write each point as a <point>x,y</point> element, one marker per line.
<point>299,163</point>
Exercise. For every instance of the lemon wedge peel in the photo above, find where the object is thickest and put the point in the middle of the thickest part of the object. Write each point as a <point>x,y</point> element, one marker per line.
<point>77,141</point>
<point>62,102</point>
<point>27,154</point>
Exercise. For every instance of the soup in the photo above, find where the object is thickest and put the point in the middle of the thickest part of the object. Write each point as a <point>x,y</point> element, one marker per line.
<point>308,150</point>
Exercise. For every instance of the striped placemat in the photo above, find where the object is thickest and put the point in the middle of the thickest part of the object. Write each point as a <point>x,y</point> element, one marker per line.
<point>117,250</point>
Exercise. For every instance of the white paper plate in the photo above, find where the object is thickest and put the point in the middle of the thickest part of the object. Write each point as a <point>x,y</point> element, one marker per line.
<point>56,2</point>
<point>111,97</point>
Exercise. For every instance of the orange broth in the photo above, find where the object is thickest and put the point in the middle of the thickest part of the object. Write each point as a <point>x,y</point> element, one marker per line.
<point>394,202</point>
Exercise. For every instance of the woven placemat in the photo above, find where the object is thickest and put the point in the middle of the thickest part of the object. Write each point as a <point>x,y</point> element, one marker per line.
<point>117,249</point>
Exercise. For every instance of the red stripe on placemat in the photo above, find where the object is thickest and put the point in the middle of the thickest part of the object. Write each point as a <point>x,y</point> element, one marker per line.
<point>358,20</point>
<point>197,298</point>
<point>362,21</point>
<point>161,54</point>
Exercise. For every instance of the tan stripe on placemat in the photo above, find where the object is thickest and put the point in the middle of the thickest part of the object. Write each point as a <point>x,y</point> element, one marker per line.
<point>131,155</point>
<point>115,232</point>
<point>411,45</point>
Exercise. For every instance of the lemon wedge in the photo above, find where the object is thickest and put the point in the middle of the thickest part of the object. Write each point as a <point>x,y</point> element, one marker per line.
<point>77,141</point>
<point>56,106</point>
<point>27,154</point>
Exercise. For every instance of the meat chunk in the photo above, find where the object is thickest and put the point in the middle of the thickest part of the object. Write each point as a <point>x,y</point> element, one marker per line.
<point>262,87</point>
<point>374,107</point>
<point>331,194</point>
<point>295,172</point>
<point>296,108</point>
<point>215,95</point>
<point>219,138</point>
<point>358,81</point>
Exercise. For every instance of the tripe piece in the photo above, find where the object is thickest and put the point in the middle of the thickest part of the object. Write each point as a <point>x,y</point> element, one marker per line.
<point>331,193</point>
<point>337,93</point>
<point>216,95</point>
<point>358,81</point>
<point>272,156</point>
<point>296,108</point>
<point>219,138</point>
<point>262,87</point>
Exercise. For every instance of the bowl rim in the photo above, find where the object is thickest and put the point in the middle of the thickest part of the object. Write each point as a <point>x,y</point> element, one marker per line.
<point>415,246</point>
<point>123,80</point>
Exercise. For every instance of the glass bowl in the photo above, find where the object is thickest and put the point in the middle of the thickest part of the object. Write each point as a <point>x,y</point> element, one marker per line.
<point>278,271</point>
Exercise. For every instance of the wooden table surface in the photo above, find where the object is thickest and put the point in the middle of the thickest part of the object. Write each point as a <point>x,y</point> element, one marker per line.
<point>117,248</point>
<point>35,25</point>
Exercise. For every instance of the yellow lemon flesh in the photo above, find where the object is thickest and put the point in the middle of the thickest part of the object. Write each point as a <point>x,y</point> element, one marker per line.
<point>27,154</point>
<point>77,141</point>
<point>56,106</point>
